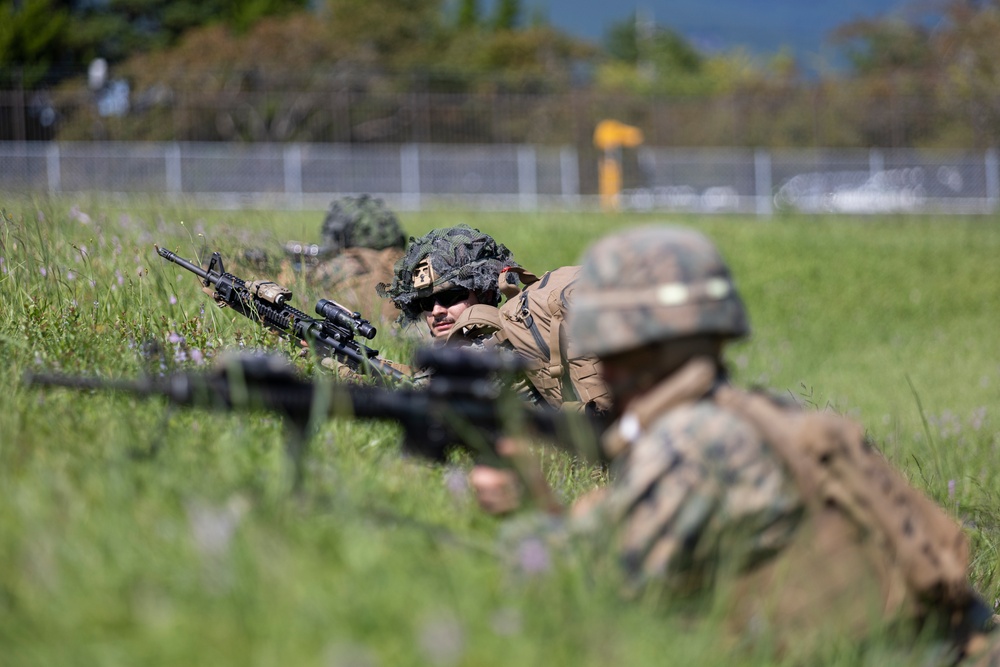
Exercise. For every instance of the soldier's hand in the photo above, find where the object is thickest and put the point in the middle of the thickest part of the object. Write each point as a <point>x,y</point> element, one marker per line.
<point>497,491</point>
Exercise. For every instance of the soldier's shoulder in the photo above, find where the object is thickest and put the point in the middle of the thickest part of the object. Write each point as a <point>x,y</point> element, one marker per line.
<point>703,430</point>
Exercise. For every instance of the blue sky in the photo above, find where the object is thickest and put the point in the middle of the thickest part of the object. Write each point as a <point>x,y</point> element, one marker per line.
<point>763,26</point>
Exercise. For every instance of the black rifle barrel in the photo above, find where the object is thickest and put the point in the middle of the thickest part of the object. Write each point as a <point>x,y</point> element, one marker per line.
<point>177,259</point>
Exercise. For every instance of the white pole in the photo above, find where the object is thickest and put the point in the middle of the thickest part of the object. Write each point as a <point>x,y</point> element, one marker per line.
<point>52,168</point>
<point>293,174</point>
<point>409,170</point>
<point>762,181</point>
<point>172,157</point>
<point>569,172</point>
<point>527,178</point>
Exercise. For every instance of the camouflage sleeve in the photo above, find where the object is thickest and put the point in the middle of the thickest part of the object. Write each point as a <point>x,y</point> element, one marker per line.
<point>699,484</point>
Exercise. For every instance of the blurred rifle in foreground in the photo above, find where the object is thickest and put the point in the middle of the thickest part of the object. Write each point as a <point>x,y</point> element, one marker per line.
<point>267,302</point>
<point>464,406</point>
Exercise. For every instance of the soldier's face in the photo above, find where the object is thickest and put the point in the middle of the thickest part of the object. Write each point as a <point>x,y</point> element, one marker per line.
<point>629,374</point>
<point>442,309</point>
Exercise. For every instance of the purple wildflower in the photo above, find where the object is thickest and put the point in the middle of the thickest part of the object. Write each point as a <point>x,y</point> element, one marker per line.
<point>175,338</point>
<point>76,214</point>
<point>507,622</point>
<point>213,527</point>
<point>442,639</point>
<point>533,556</point>
<point>456,483</point>
<point>978,417</point>
<point>172,300</point>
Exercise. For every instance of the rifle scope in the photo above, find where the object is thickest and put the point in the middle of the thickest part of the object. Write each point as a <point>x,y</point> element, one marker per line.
<point>345,319</point>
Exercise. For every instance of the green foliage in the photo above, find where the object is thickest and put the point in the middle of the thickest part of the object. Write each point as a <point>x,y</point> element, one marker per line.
<point>44,34</point>
<point>507,14</point>
<point>32,34</point>
<point>468,14</point>
<point>196,68</point>
<point>637,43</point>
<point>387,31</point>
<point>884,45</point>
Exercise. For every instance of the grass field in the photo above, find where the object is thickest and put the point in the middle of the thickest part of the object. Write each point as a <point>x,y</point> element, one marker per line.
<point>132,534</point>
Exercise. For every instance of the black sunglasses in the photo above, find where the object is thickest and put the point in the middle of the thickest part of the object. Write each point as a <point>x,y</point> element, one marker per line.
<point>446,298</point>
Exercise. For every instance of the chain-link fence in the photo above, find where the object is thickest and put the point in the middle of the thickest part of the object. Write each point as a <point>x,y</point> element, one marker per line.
<point>513,177</point>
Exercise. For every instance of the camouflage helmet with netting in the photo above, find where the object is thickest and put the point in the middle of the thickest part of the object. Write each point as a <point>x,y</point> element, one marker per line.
<point>653,284</point>
<point>361,222</point>
<point>459,256</point>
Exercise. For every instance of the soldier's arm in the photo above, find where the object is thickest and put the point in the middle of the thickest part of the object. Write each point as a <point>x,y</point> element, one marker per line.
<point>698,483</point>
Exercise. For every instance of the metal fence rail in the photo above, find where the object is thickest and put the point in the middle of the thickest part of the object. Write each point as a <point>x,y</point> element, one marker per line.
<point>513,177</point>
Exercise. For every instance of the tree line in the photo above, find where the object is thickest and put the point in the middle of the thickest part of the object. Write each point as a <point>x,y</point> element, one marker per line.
<point>272,69</point>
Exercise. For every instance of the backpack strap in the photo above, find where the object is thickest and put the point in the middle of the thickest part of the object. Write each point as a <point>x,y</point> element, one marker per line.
<point>689,383</point>
<point>557,358</point>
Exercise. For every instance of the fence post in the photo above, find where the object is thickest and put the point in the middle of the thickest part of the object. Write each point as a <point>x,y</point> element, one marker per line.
<point>762,182</point>
<point>527,178</point>
<point>52,168</point>
<point>992,179</point>
<point>569,173</point>
<point>409,176</point>
<point>876,162</point>
<point>172,157</point>
<point>293,174</point>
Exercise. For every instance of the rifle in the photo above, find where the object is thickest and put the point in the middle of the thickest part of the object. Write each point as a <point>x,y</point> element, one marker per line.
<point>464,406</point>
<point>267,302</point>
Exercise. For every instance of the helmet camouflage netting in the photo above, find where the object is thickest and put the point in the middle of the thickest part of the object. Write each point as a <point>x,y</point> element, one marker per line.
<point>653,284</point>
<point>459,256</point>
<point>362,222</point>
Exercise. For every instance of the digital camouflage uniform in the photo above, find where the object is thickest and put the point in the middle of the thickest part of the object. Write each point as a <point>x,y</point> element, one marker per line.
<point>362,241</point>
<point>693,477</point>
<point>700,499</point>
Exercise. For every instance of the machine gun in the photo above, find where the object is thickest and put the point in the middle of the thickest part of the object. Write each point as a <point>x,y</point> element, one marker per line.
<point>464,406</point>
<point>267,302</point>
